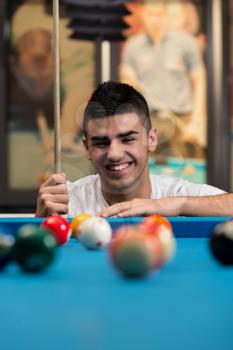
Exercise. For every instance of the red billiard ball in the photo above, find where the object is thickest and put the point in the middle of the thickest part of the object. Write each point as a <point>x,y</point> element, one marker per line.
<point>59,227</point>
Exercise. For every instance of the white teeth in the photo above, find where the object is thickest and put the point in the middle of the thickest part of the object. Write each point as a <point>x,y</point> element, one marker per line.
<point>118,167</point>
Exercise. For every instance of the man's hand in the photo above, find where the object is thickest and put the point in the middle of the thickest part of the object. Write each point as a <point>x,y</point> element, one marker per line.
<point>142,207</point>
<point>53,196</point>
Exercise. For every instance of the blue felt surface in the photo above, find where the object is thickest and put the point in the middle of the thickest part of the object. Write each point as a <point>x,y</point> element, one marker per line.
<point>83,303</point>
<point>182,226</point>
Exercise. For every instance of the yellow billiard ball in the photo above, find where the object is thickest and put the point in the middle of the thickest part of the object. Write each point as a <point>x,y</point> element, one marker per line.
<point>75,223</point>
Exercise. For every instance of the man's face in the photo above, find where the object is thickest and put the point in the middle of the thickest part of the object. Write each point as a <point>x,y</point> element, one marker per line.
<point>118,147</point>
<point>154,18</point>
<point>35,55</point>
<point>35,62</point>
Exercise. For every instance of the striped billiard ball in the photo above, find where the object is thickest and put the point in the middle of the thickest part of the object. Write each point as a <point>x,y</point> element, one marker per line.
<point>158,226</point>
<point>75,223</point>
<point>94,233</point>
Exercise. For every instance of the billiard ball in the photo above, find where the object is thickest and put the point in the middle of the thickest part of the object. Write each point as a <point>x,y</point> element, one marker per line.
<point>133,252</point>
<point>5,230</point>
<point>59,227</point>
<point>154,220</point>
<point>157,225</point>
<point>6,245</point>
<point>34,248</point>
<point>94,233</point>
<point>75,223</point>
<point>221,242</point>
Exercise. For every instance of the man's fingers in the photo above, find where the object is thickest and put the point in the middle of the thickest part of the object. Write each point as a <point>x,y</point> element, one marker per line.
<point>138,211</point>
<point>58,189</point>
<point>55,179</point>
<point>58,208</point>
<point>57,198</point>
<point>114,209</point>
<point>136,207</point>
<point>53,196</point>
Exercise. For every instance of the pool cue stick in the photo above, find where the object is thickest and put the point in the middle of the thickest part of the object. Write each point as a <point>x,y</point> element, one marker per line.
<point>57,111</point>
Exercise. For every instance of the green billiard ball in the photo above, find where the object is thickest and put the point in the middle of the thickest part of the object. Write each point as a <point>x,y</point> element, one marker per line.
<point>6,245</point>
<point>34,248</point>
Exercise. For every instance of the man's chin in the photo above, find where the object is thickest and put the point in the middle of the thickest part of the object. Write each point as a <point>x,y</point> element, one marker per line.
<point>120,188</point>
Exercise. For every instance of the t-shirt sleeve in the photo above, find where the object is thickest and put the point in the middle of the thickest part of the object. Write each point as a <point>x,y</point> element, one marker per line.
<point>74,205</point>
<point>186,188</point>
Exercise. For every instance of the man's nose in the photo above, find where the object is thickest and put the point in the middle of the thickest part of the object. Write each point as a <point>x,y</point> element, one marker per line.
<point>115,151</point>
<point>39,54</point>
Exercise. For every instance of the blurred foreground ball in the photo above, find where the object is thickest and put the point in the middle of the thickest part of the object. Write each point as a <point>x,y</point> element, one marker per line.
<point>6,245</point>
<point>133,252</point>
<point>34,248</point>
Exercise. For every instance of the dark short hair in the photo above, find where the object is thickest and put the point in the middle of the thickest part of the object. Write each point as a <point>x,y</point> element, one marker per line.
<point>111,98</point>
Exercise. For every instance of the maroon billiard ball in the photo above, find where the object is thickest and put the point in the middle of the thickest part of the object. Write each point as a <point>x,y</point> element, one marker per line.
<point>59,227</point>
<point>221,242</point>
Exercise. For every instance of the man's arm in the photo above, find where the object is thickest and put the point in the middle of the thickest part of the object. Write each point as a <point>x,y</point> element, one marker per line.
<point>53,196</point>
<point>217,205</point>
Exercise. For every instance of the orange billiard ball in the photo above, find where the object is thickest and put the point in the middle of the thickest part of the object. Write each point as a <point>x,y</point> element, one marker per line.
<point>158,226</point>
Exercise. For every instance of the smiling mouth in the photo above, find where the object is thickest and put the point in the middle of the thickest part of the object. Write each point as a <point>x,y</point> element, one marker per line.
<point>118,168</point>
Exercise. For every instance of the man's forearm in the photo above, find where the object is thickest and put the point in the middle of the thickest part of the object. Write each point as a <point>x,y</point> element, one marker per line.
<point>219,205</point>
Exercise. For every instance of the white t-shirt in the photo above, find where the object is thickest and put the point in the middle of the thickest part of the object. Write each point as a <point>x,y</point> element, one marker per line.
<point>85,194</point>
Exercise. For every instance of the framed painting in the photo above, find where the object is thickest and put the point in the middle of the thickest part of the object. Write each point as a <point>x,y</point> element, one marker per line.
<point>27,99</point>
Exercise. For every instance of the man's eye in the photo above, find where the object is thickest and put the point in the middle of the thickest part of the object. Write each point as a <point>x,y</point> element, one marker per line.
<point>100,144</point>
<point>128,139</point>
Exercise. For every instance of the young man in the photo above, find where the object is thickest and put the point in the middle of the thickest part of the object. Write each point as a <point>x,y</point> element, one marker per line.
<point>118,138</point>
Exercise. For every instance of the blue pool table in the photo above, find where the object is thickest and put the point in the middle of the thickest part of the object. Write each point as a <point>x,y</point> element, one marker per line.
<point>82,303</point>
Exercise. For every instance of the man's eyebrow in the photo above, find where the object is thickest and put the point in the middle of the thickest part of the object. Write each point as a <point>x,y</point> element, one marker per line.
<point>121,135</point>
<point>99,138</point>
<point>128,133</point>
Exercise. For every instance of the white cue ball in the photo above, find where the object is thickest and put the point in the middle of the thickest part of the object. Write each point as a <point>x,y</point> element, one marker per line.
<point>95,233</point>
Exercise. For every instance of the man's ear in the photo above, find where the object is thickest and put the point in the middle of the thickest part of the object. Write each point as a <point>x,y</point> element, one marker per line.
<point>85,144</point>
<point>153,140</point>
